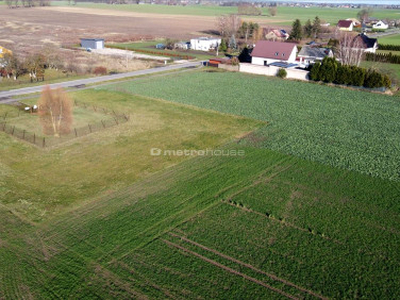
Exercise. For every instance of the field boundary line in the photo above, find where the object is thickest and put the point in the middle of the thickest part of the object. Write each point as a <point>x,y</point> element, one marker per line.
<point>230,270</point>
<point>274,277</point>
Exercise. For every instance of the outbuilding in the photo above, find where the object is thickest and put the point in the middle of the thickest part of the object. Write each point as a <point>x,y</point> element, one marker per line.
<point>92,43</point>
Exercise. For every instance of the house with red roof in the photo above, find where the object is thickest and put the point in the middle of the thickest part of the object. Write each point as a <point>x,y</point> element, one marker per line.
<point>275,35</point>
<point>268,52</point>
<point>345,25</point>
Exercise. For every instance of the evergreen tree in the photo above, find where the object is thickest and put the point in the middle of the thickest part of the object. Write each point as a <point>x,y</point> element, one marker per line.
<point>315,72</point>
<point>297,31</point>
<point>308,29</point>
<point>316,27</point>
<point>223,47</point>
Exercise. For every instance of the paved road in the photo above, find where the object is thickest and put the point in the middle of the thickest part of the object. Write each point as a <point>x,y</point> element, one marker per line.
<point>74,83</point>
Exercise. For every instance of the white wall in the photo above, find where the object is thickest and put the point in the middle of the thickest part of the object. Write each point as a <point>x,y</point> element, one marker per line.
<point>204,45</point>
<point>271,71</point>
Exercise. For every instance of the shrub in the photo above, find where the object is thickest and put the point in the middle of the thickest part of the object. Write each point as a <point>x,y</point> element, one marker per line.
<point>281,73</point>
<point>328,69</point>
<point>100,71</point>
<point>315,72</point>
<point>373,79</point>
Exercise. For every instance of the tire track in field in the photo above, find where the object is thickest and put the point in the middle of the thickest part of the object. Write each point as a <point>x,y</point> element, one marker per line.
<point>249,210</point>
<point>230,270</point>
<point>274,277</point>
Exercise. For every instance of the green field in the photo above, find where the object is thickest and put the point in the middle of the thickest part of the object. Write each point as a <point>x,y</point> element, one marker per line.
<point>339,127</point>
<point>285,15</point>
<point>99,217</point>
<point>390,39</point>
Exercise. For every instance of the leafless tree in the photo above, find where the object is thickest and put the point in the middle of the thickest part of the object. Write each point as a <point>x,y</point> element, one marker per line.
<point>228,25</point>
<point>273,10</point>
<point>350,49</point>
<point>55,111</point>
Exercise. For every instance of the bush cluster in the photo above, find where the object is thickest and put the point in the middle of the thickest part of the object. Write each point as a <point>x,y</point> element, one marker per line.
<point>331,71</point>
<point>383,57</point>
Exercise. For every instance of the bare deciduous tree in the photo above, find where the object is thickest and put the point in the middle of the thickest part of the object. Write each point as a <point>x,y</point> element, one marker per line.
<point>228,25</point>
<point>55,112</point>
<point>350,49</point>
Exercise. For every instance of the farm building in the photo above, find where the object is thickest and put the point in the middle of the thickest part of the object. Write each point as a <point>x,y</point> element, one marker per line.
<point>268,52</point>
<point>204,43</point>
<point>380,25</point>
<point>92,43</point>
<point>345,25</point>
<point>182,45</point>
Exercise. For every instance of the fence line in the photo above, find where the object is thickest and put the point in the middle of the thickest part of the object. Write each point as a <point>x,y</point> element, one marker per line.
<point>114,119</point>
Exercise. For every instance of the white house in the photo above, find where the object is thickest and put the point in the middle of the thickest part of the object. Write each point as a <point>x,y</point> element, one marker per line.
<point>309,55</point>
<point>268,52</point>
<point>345,25</point>
<point>204,43</point>
<point>380,25</point>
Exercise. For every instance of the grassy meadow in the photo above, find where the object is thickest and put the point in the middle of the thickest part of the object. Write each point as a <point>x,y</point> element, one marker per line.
<point>294,217</point>
<point>343,128</point>
<point>390,39</point>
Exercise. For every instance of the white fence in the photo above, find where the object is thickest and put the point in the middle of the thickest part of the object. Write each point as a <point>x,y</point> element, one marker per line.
<point>272,71</point>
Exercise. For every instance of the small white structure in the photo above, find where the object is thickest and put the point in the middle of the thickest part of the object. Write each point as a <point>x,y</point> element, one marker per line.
<point>204,43</point>
<point>267,52</point>
<point>345,25</point>
<point>380,25</point>
<point>92,43</point>
<point>182,45</point>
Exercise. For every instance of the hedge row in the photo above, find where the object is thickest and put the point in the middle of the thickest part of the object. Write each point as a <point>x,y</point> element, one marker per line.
<point>383,57</point>
<point>332,71</point>
<point>156,52</point>
<point>389,47</point>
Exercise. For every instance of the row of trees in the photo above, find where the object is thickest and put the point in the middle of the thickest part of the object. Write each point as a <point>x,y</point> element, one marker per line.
<point>331,71</point>
<point>13,66</point>
<point>310,29</point>
<point>27,3</point>
<point>231,27</point>
<point>383,57</point>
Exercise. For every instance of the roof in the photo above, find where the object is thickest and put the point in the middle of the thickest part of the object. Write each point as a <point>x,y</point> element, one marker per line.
<point>283,65</point>
<point>278,33</point>
<point>308,51</point>
<point>344,23</point>
<point>277,50</point>
<point>94,40</point>
<point>366,41</point>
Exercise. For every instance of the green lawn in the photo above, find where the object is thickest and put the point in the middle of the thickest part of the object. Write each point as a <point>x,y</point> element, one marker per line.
<point>390,39</point>
<point>116,157</point>
<point>343,128</point>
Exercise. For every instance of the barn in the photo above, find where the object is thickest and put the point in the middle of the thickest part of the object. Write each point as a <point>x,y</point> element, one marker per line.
<point>92,43</point>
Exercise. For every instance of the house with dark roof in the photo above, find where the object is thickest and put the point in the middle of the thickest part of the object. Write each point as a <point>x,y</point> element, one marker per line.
<point>380,25</point>
<point>309,55</point>
<point>268,52</point>
<point>345,25</point>
<point>276,35</point>
<point>364,42</point>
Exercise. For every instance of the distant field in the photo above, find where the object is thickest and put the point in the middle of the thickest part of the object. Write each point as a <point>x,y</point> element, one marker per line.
<point>285,15</point>
<point>335,126</point>
<point>390,39</point>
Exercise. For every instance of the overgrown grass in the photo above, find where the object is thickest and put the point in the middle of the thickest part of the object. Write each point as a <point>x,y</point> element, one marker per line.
<point>50,76</point>
<point>343,128</point>
<point>40,183</point>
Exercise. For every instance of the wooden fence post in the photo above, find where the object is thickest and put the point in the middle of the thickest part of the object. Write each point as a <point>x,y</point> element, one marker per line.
<point>44,143</point>
<point>12,132</point>
<point>34,138</point>
<point>76,132</point>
